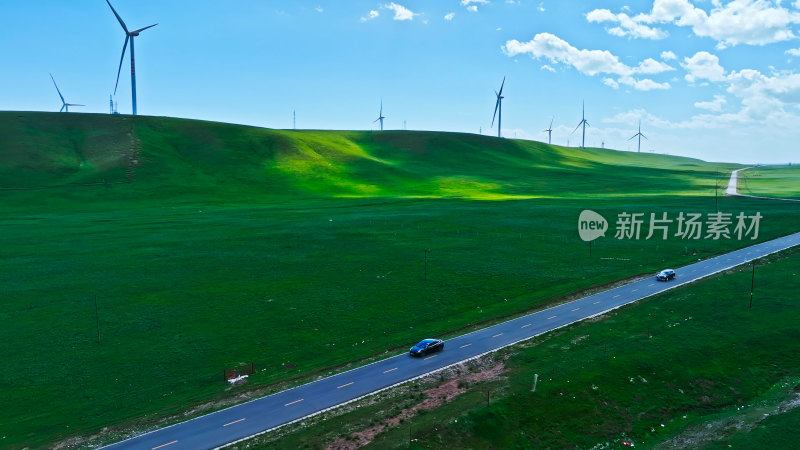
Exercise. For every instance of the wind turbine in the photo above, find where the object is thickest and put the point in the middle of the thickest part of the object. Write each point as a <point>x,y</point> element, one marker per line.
<point>64,105</point>
<point>549,130</point>
<point>499,107</point>
<point>585,124</point>
<point>639,148</point>
<point>380,116</point>
<point>129,35</point>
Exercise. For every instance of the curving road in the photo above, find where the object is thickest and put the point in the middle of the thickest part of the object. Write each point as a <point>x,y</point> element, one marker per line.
<point>261,415</point>
<point>733,184</point>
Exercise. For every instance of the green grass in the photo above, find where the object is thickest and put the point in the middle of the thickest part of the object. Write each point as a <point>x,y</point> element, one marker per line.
<point>223,241</point>
<point>771,181</point>
<point>644,373</point>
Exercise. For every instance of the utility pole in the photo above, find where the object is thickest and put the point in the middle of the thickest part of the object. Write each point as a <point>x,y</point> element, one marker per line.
<point>752,282</point>
<point>716,189</point>
<point>294,120</point>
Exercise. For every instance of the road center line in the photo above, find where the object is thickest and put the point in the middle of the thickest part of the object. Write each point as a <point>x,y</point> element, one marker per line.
<point>575,309</point>
<point>465,345</point>
<point>526,325</point>
<point>651,285</point>
<point>615,296</point>
<point>164,445</point>
<point>390,370</point>
<point>292,403</point>
<point>432,356</point>
<point>596,302</point>
<point>551,317</point>
<point>345,385</point>
<point>634,290</point>
<point>499,334</point>
<point>235,421</point>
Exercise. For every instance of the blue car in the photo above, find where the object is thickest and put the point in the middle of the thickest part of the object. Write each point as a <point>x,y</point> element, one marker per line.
<point>426,346</point>
<point>665,275</point>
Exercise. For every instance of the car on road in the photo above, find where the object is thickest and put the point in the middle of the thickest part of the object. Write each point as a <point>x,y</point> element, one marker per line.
<point>426,346</point>
<point>665,275</point>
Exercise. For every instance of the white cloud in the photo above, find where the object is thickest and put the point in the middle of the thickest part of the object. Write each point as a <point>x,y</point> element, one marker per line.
<point>703,66</point>
<point>752,22</point>
<point>610,82</point>
<point>400,11</point>
<point>793,51</point>
<point>541,7</point>
<point>668,56</point>
<point>498,29</point>
<point>548,68</point>
<point>472,5</point>
<point>449,16</point>
<point>627,26</point>
<point>319,9</point>
<point>713,105</point>
<point>371,15</point>
<point>651,66</point>
<point>589,62</point>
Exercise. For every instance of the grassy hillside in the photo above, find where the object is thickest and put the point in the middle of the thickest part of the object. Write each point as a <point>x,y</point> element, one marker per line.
<point>221,161</point>
<point>206,244</point>
<point>771,181</point>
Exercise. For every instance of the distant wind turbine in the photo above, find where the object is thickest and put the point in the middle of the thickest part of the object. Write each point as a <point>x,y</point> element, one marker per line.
<point>549,130</point>
<point>499,107</point>
<point>64,105</point>
<point>640,135</point>
<point>585,124</point>
<point>380,116</point>
<point>129,35</point>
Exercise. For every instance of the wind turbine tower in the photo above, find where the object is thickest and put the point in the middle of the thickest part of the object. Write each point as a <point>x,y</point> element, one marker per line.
<point>380,116</point>
<point>583,123</point>
<point>64,105</point>
<point>129,35</point>
<point>640,136</point>
<point>549,131</point>
<point>498,107</point>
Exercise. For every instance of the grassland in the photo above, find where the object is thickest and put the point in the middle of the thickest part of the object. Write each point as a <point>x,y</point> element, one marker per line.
<point>771,181</point>
<point>690,368</point>
<point>208,245</point>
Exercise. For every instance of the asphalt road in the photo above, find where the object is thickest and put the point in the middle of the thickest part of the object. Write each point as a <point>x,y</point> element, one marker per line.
<point>263,414</point>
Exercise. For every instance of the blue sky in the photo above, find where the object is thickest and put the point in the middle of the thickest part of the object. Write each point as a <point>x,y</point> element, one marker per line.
<point>712,79</point>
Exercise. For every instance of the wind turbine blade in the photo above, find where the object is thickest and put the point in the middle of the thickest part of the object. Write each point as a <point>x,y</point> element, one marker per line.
<point>118,17</point>
<point>496,105</point>
<point>551,122</point>
<point>124,47</point>
<point>74,104</point>
<point>644,136</point>
<point>576,128</point>
<point>142,29</point>
<point>633,136</point>
<point>57,89</point>
<point>62,108</point>
<point>501,87</point>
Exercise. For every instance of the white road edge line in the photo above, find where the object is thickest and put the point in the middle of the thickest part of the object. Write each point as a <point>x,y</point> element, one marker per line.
<point>481,354</point>
<point>788,237</point>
